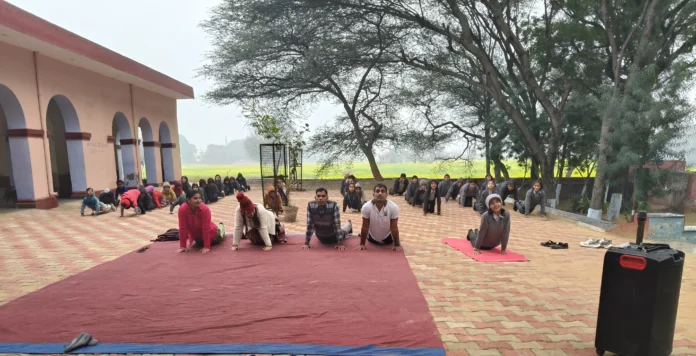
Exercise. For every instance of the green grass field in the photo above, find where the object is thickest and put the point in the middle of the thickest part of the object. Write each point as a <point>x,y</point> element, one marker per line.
<point>360,170</point>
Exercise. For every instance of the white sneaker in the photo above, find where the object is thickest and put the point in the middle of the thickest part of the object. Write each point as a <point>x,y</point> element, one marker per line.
<point>604,243</point>
<point>591,243</point>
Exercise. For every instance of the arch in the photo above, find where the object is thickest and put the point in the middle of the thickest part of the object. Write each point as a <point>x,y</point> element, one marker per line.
<point>124,149</point>
<point>19,157</point>
<point>62,117</point>
<point>167,152</point>
<point>148,149</point>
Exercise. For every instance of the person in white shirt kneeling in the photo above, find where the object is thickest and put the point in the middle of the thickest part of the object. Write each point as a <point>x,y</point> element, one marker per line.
<point>380,220</point>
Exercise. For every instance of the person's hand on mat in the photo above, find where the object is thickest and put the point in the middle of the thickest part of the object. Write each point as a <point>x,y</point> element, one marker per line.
<point>234,248</point>
<point>397,248</point>
<point>181,250</point>
<point>306,247</point>
<point>267,248</point>
<point>361,247</point>
<point>477,251</point>
<point>503,252</point>
<point>340,247</point>
<point>205,250</point>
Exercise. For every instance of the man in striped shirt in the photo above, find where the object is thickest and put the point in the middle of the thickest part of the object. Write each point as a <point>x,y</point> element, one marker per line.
<point>324,218</point>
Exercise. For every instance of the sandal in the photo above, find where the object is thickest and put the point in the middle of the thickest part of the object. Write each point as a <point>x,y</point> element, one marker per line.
<point>548,243</point>
<point>560,246</point>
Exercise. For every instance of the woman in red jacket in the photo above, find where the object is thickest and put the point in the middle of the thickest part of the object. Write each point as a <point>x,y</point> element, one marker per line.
<point>196,226</point>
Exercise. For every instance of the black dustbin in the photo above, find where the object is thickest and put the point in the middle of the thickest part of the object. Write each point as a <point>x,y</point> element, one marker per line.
<point>639,300</point>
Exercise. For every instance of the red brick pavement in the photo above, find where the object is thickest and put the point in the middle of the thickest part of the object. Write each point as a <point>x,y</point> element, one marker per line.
<point>546,306</point>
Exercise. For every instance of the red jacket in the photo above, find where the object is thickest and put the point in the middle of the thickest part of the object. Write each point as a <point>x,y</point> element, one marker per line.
<point>157,197</point>
<point>132,197</point>
<point>194,225</point>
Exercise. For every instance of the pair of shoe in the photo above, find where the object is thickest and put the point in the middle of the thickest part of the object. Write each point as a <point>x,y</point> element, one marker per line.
<point>555,245</point>
<point>596,243</point>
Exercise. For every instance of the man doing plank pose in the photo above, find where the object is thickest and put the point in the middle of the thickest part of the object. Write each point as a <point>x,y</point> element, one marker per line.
<point>380,220</point>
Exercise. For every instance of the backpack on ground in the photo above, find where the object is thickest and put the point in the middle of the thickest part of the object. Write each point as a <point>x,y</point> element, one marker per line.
<point>170,235</point>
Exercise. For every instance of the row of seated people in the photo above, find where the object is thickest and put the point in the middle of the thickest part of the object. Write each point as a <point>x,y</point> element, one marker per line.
<point>428,194</point>
<point>144,199</point>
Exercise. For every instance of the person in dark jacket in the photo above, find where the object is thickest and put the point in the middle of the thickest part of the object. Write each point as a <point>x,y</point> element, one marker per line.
<point>468,193</point>
<point>242,183</point>
<point>412,188</point>
<point>211,191</point>
<point>419,196</point>
<point>484,184</point>
<point>227,187</point>
<point>444,186</point>
<point>534,197</point>
<point>480,205</point>
<point>220,186</point>
<point>400,185</point>
<point>185,186</point>
<point>351,200</point>
<point>344,184</point>
<point>494,230</point>
<point>107,197</point>
<point>509,189</point>
<point>432,198</point>
<point>453,191</point>
<point>120,189</point>
<point>202,188</point>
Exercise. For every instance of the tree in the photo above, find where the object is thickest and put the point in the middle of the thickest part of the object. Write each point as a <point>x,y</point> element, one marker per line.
<point>646,42</point>
<point>291,57</point>
<point>188,151</point>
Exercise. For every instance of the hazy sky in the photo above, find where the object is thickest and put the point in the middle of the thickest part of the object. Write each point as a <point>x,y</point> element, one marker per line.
<point>164,35</point>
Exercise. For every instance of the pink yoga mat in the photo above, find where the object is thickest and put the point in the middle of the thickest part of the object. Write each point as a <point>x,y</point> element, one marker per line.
<point>493,255</point>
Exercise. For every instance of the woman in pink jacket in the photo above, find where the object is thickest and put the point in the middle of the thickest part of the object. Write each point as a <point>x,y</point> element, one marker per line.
<point>196,227</point>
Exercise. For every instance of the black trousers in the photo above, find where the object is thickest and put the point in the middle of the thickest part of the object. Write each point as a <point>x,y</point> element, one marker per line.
<point>387,241</point>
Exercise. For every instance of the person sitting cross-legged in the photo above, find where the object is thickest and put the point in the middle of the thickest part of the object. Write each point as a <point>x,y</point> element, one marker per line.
<point>273,201</point>
<point>324,220</point>
<point>93,203</point>
<point>380,223</point>
<point>196,227</point>
<point>494,230</point>
<point>256,224</point>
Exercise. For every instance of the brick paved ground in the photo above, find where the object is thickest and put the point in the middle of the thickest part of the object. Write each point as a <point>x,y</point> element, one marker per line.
<point>545,306</point>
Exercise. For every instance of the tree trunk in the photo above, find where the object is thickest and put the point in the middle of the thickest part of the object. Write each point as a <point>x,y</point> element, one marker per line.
<point>488,145</point>
<point>373,165</point>
<point>600,177</point>
<point>500,169</point>
<point>535,170</point>
<point>496,169</point>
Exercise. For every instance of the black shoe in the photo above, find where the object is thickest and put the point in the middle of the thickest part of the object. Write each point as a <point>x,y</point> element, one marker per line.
<point>468,235</point>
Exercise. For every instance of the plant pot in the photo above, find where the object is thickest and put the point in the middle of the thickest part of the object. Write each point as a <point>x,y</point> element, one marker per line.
<point>290,213</point>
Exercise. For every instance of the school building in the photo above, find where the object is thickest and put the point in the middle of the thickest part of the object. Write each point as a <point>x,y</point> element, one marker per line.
<point>72,112</point>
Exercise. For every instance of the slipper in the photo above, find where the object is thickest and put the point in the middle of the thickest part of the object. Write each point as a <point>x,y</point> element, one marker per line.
<point>548,243</point>
<point>560,246</point>
<point>81,340</point>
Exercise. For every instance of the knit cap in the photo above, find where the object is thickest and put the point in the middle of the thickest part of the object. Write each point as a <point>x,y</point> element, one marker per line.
<point>490,197</point>
<point>245,204</point>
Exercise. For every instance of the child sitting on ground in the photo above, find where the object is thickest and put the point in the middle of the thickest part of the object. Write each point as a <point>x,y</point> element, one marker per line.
<point>272,201</point>
<point>351,199</point>
<point>93,203</point>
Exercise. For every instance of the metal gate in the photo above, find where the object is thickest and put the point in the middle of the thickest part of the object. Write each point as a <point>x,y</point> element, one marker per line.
<point>274,164</point>
<point>296,169</point>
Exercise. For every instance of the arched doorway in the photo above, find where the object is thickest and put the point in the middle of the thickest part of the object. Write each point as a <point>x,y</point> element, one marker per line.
<point>167,152</point>
<point>15,161</point>
<point>67,154</point>
<point>124,150</point>
<point>147,151</point>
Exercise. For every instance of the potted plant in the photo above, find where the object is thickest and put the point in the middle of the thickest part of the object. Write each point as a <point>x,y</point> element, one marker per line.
<point>281,131</point>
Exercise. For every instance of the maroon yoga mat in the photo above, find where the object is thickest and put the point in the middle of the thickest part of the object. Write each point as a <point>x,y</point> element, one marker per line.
<point>286,295</point>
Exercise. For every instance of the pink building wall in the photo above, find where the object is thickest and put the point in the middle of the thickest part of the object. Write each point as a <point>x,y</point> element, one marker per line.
<point>94,100</point>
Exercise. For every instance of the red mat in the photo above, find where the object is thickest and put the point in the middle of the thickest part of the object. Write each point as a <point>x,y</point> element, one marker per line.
<point>286,295</point>
<point>493,255</point>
